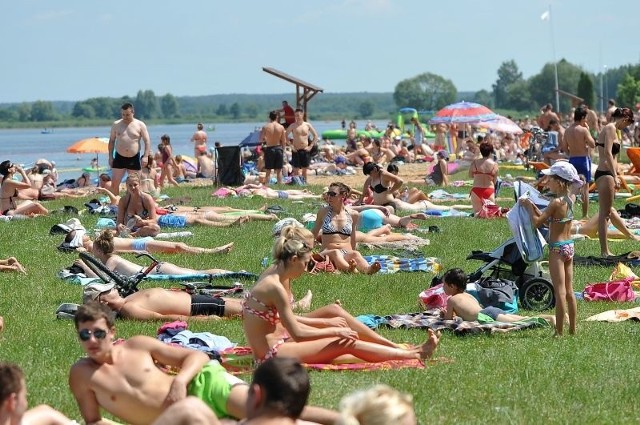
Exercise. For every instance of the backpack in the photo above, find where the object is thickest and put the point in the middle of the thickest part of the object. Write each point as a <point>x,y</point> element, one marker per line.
<point>500,293</point>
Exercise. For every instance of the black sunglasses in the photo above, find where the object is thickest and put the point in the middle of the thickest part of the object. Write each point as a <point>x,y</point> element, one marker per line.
<point>332,194</point>
<point>85,334</point>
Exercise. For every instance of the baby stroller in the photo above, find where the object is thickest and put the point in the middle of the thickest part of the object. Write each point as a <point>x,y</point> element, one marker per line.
<point>534,287</point>
<point>533,281</point>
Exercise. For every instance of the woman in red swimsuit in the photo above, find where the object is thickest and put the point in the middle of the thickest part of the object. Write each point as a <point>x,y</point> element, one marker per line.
<point>484,172</point>
<point>272,329</point>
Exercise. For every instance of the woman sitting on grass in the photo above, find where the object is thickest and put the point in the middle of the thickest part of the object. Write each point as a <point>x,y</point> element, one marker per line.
<point>272,329</point>
<point>10,190</point>
<point>339,227</point>
<point>103,249</point>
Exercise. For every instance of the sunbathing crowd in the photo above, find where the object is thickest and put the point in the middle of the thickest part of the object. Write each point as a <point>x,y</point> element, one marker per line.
<point>282,333</point>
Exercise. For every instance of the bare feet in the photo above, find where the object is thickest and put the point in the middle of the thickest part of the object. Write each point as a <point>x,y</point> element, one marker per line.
<point>427,349</point>
<point>353,267</point>
<point>304,303</point>
<point>241,220</point>
<point>12,261</point>
<point>224,249</point>
<point>374,268</point>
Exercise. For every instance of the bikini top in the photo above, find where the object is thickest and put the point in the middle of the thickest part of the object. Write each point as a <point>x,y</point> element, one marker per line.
<point>270,316</point>
<point>476,172</point>
<point>145,211</point>
<point>569,216</point>
<point>379,188</point>
<point>328,227</point>
<point>615,147</point>
<point>12,201</point>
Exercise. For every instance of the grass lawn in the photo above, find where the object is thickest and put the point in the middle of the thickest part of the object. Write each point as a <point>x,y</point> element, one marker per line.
<point>524,377</point>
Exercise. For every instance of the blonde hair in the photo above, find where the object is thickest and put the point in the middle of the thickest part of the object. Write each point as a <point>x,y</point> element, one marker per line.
<point>104,242</point>
<point>292,242</point>
<point>379,405</point>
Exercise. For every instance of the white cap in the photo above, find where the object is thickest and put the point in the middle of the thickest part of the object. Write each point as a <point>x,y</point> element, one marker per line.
<point>93,290</point>
<point>564,170</point>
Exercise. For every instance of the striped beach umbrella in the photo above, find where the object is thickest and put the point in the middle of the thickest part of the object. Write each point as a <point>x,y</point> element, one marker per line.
<point>463,113</point>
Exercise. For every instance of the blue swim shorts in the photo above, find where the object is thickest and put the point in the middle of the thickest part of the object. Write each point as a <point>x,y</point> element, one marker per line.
<point>170,220</point>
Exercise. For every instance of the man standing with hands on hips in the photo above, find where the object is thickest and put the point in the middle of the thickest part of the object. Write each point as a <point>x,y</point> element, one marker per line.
<point>125,137</point>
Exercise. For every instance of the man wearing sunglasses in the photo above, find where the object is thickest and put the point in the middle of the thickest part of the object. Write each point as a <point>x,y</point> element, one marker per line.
<point>162,304</point>
<point>125,379</point>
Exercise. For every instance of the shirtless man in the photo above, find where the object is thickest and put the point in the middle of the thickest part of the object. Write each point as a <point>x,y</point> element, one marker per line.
<point>127,131</point>
<point>273,134</point>
<point>300,130</point>
<point>206,167</point>
<point>610,109</point>
<point>593,122</point>
<point>546,116</point>
<point>579,143</point>
<point>124,379</point>
<point>14,404</point>
<point>162,304</point>
<point>441,139</point>
<point>199,140</point>
<point>465,306</point>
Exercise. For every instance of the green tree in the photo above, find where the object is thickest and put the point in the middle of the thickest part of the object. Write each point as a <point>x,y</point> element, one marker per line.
<point>585,89</point>
<point>251,110</point>
<point>83,110</point>
<point>508,74</point>
<point>235,110</point>
<point>518,96</point>
<point>222,110</point>
<point>542,85</point>
<point>169,106</point>
<point>366,109</point>
<point>146,104</point>
<point>43,111</point>
<point>425,91</point>
<point>24,112</point>
<point>8,115</point>
<point>628,93</point>
<point>483,97</point>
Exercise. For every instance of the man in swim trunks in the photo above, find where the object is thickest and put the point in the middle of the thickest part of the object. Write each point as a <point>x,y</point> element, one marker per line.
<point>579,143</point>
<point>127,131</point>
<point>162,304</point>
<point>125,380</point>
<point>467,307</point>
<point>273,134</point>
<point>302,144</point>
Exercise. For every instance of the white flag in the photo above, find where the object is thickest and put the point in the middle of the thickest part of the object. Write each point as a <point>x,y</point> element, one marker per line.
<point>545,15</point>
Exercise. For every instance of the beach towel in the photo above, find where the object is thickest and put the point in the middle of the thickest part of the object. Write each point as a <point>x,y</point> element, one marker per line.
<point>81,279</point>
<point>614,316</point>
<point>448,213</point>
<point>407,245</point>
<point>390,264</point>
<point>240,360</point>
<point>527,237</point>
<point>443,194</point>
<point>430,319</point>
<point>631,258</point>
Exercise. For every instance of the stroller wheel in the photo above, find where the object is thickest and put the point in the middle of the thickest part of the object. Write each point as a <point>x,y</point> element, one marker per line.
<point>537,294</point>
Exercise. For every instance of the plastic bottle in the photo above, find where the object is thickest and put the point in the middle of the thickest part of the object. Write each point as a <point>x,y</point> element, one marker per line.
<point>405,194</point>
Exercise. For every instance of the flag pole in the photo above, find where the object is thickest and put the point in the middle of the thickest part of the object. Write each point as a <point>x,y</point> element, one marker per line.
<point>555,63</point>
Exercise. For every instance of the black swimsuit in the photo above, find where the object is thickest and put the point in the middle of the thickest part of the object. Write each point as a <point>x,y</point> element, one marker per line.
<point>12,203</point>
<point>615,150</point>
<point>379,188</point>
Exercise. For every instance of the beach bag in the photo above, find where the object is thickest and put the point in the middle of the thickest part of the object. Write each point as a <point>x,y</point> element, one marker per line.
<point>491,210</point>
<point>433,297</point>
<point>320,263</point>
<point>617,290</point>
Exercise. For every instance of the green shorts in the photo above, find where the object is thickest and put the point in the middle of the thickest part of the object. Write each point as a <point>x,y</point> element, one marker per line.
<point>213,386</point>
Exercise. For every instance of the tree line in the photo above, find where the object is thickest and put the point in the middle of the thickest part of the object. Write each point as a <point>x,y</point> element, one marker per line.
<point>512,91</point>
<point>426,91</point>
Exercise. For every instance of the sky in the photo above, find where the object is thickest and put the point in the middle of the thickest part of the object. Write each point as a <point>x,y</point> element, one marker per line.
<point>78,49</point>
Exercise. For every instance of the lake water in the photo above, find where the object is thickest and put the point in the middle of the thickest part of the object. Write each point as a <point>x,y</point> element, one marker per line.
<point>25,146</point>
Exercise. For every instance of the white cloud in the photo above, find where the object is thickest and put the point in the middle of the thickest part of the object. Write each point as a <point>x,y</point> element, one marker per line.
<point>52,15</point>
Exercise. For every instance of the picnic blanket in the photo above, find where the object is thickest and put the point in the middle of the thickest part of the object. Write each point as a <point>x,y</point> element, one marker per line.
<point>408,245</point>
<point>82,279</point>
<point>391,264</point>
<point>631,258</point>
<point>614,316</point>
<point>431,319</point>
<point>239,360</point>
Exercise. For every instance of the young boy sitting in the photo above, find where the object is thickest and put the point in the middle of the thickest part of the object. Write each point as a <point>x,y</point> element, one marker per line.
<point>467,307</point>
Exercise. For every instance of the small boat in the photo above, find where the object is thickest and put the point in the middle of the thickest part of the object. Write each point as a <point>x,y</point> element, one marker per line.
<point>47,131</point>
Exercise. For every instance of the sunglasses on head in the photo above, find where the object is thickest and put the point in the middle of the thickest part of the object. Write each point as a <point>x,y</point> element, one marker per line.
<point>85,334</point>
